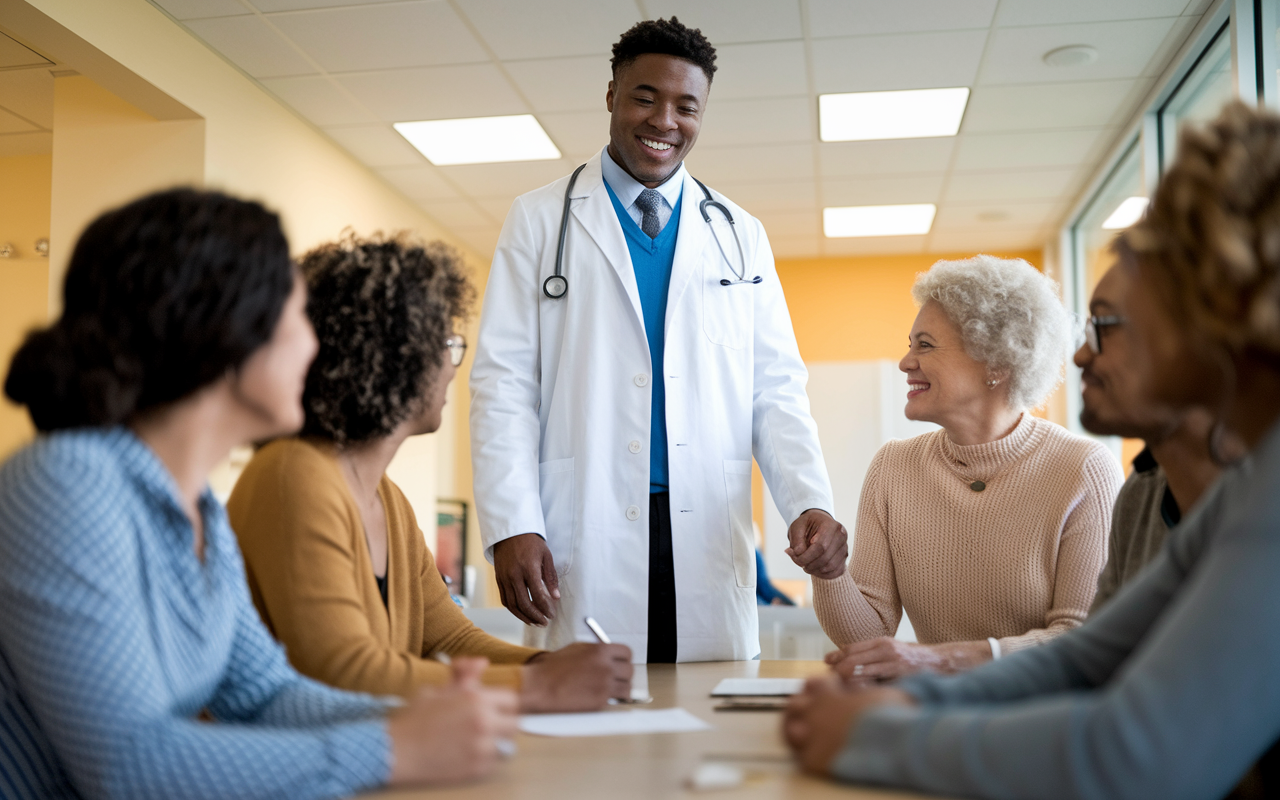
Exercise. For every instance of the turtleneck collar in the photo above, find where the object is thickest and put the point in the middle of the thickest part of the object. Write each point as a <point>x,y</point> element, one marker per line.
<point>984,461</point>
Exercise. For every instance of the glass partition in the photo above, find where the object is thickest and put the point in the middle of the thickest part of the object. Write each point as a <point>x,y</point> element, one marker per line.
<point>1115,206</point>
<point>1201,94</point>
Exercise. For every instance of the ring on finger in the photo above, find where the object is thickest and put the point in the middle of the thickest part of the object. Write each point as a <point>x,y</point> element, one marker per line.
<point>857,670</point>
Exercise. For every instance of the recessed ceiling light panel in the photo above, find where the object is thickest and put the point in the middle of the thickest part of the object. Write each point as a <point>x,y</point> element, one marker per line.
<point>913,114</point>
<point>1127,213</point>
<point>480,140</point>
<point>904,220</point>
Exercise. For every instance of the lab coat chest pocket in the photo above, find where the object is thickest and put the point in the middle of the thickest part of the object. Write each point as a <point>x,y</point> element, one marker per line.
<point>556,488</point>
<point>737,484</point>
<point>727,311</point>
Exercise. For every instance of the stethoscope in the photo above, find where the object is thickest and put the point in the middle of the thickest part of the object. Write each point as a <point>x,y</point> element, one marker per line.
<point>557,285</point>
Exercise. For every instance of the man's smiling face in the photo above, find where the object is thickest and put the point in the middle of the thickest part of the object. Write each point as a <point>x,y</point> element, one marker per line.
<point>657,103</point>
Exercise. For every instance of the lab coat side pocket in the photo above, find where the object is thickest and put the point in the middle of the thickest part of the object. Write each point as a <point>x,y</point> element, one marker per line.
<point>737,484</point>
<point>556,488</point>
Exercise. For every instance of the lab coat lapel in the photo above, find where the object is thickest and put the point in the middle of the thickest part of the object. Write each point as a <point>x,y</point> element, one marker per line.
<point>692,241</point>
<point>595,212</point>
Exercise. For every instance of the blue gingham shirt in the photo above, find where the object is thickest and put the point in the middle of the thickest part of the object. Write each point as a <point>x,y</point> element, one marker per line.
<point>114,637</point>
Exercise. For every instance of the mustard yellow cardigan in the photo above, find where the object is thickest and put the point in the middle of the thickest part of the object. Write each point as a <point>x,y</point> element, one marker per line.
<point>312,579</point>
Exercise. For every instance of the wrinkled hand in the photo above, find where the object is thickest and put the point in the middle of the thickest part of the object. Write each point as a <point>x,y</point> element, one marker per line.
<point>527,578</point>
<point>818,721</point>
<point>450,735</point>
<point>580,677</point>
<point>819,544</point>
<point>885,659</point>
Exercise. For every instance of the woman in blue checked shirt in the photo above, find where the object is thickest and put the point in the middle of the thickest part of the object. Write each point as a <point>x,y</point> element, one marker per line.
<point>125,608</point>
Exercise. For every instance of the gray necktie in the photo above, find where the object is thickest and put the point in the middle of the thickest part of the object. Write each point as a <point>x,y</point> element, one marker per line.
<point>648,203</point>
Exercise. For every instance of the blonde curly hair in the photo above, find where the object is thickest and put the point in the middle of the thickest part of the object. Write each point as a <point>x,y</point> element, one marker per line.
<point>1213,229</point>
<point>1010,319</point>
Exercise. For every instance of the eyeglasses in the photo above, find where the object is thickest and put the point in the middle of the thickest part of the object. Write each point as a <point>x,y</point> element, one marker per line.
<point>457,345</point>
<point>1094,328</point>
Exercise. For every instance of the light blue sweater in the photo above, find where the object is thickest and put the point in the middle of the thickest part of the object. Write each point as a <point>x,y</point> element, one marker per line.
<point>1170,691</point>
<point>114,637</point>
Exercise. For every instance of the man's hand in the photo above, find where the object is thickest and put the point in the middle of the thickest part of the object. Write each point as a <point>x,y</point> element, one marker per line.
<point>818,721</point>
<point>885,659</point>
<point>527,578</point>
<point>819,544</point>
<point>579,677</point>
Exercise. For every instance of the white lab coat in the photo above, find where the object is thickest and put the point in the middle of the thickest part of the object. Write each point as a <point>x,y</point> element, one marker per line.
<point>560,405</point>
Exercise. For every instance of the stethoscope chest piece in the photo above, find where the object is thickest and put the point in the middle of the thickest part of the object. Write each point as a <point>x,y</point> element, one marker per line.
<point>555,287</point>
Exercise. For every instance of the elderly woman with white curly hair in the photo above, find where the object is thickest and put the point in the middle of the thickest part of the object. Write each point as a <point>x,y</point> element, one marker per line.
<point>989,533</point>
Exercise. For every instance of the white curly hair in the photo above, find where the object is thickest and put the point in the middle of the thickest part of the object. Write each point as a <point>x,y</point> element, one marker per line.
<point>1010,319</point>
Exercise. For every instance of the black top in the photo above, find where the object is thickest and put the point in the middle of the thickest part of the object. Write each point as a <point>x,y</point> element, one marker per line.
<point>382,588</point>
<point>1169,511</point>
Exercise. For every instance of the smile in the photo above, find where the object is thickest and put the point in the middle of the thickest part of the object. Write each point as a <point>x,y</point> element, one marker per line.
<point>651,144</point>
<point>916,387</point>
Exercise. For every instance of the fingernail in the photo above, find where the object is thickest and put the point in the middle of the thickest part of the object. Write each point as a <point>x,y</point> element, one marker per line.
<point>555,593</point>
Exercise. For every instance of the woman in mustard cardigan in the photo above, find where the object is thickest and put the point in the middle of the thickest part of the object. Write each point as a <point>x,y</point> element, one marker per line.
<point>336,562</point>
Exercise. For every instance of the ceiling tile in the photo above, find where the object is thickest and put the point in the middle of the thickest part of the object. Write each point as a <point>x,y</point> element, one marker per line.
<point>563,84</point>
<point>759,198</point>
<point>767,69</point>
<point>268,6</point>
<point>469,90</point>
<point>26,144</point>
<point>377,146</point>
<point>796,246</point>
<point>195,9</point>
<point>10,123</point>
<point>869,17</point>
<point>420,34</point>
<point>728,21</point>
<point>882,190</point>
<point>317,99</point>
<point>551,28</point>
<point>1029,107</point>
<point>996,215</point>
<point>887,157</point>
<point>911,61</point>
<point>13,55</point>
<point>1197,7</point>
<point>491,180</point>
<point>455,214</point>
<point>753,122</point>
<point>423,183</point>
<point>977,151</point>
<point>783,224</point>
<point>1125,50</point>
<point>482,240</point>
<point>252,45</point>
<point>985,241</point>
<point>977,187</point>
<point>717,165</point>
<point>577,133</point>
<point>496,207</point>
<point>873,245</point>
<point>1056,12</point>
<point>28,93</point>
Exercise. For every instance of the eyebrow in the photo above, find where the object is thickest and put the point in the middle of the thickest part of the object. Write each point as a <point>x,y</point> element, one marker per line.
<point>644,87</point>
<point>1101,304</point>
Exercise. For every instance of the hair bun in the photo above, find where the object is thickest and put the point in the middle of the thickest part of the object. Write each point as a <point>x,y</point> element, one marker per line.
<point>69,378</point>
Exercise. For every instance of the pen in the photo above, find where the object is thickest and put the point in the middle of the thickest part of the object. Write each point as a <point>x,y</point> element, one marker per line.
<point>506,748</point>
<point>604,639</point>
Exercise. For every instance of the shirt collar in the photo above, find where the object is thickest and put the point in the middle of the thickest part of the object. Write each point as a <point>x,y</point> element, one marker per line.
<point>628,188</point>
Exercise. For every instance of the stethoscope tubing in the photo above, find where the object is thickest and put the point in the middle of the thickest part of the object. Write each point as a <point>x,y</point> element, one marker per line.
<point>556,285</point>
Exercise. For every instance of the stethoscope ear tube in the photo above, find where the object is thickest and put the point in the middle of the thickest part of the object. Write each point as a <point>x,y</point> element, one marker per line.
<point>557,285</point>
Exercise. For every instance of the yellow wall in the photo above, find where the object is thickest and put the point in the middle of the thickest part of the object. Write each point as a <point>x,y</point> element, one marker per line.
<point>24,280</point>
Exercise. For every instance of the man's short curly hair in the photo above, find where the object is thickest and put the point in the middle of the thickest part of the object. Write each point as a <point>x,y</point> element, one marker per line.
<point>1010,319</point>
<point>1212,232</point>
<point>382,308</point>
<point>668,37</point>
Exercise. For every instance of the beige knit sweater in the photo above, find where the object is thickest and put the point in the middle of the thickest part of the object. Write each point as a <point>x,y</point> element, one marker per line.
<point>1018,561</point>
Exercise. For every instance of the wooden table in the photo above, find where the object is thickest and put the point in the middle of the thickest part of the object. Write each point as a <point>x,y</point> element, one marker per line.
<point>657,765</point>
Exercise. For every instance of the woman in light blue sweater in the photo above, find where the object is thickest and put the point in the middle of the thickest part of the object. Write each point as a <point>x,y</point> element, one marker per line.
<point>1171,690</point>
<point>124,612</point>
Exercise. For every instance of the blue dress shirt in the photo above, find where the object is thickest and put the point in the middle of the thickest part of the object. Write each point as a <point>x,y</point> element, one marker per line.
<point>115,637</point>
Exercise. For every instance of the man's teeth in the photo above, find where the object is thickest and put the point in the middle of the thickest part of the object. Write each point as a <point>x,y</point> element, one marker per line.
<point>655,145</point>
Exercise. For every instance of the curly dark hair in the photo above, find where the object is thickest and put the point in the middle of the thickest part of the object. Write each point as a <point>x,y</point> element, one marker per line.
<point>667,37</point>
<point>382,308</point>
<point>163,296</point>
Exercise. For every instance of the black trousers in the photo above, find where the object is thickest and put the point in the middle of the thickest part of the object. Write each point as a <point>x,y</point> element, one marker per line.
<point>662,582</point>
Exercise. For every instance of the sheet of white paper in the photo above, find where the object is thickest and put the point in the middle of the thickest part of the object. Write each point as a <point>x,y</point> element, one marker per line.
<point>613,723</point>
<point>758,687</point>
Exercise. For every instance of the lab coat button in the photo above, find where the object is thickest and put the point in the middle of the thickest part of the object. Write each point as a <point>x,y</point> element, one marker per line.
<point>634,446</point>
<point>633,513</point>
<point>642,380</point>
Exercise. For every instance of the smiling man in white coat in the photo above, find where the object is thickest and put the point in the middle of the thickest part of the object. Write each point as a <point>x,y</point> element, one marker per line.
<point>618,396</point>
